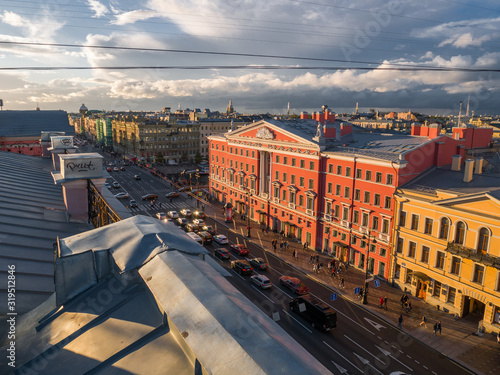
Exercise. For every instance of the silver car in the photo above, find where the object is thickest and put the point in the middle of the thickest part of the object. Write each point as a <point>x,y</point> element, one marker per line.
<point>262,281</point>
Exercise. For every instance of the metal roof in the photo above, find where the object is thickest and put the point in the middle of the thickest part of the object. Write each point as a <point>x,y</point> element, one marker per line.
<point>32,123</point>
<point>32,216</point>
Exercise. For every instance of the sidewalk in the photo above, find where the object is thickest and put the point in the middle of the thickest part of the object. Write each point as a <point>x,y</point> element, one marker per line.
<point>458,341</point>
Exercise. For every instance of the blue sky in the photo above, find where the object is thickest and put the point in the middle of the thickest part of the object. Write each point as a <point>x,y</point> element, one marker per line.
<point>378,33</point>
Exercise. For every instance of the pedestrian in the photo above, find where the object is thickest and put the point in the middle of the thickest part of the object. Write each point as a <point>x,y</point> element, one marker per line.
<point>385,302</point>
<point>293,254</point>
<point>439,327</point>
<point>424,321</point>
<point>381,302</point>
<point>435,328</point>
<point>317,258</point>
<point>498,337</point>
<point>263,229</point>
<point>314,267</point>
<point>400,321</point>
<point>402,301</point>
<point>281,246</point>
<point>342,283</point>
<point>297,254</point>
<point>320,267</point>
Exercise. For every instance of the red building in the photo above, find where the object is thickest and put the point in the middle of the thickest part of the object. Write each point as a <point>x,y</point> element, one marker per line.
<point>328,184</point>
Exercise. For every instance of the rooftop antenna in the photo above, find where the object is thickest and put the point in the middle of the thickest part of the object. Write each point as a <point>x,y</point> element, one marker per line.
<point>459,114</point>
<point>467,112</point>
<point>1,104</point>
<point>288,110</point>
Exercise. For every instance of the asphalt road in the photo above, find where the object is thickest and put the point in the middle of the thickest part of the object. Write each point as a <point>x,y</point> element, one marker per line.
<point>362,343</point>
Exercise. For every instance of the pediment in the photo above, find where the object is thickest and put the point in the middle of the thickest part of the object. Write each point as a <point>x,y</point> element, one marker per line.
<point>480,203</point>
<point>263,131</point>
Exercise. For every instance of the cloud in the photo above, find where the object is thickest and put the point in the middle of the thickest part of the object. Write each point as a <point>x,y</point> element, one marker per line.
<point>133,16</point>
<point>38,28</point>
<point>98,8</point>
<point>467,40</point>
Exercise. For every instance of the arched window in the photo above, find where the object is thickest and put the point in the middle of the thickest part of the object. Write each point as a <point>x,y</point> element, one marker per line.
<point>460,233</point>
<point>444,229</point>
<point>482,245</point>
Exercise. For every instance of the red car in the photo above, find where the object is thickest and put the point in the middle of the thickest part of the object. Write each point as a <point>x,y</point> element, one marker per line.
<point>294,284</point>
<point>240,249</point>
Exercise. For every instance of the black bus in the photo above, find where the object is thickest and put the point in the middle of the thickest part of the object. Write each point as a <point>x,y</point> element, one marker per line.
<point>320,316</point>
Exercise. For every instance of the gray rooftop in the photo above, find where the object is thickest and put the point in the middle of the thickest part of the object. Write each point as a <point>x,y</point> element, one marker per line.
<point>32,217</point>
<point>32,123</point>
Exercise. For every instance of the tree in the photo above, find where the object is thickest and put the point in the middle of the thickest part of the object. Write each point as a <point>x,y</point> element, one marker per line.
<point>197,158</point>
<point>159,158</point>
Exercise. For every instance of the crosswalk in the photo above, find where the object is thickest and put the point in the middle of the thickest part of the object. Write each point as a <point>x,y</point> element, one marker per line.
<point>165,207</point>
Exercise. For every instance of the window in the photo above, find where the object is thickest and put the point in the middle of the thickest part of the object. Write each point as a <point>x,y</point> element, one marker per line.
<point>311,183</point>
<point>302,164</point>
<point>367,197</point>
<point>339,169</point>
<point>345,214</point>
<point>385,226</point>
<point>253,154</point>
<point>276,192</point>
<point>375,223</point>
<point>400,245</point>
<point>301,181</point>
<point>283,195</point>
<point>276,175</point>
<point>284,177</point>
<point>478,274</point>
<point>437,289</point>
<point>291,196</point>
<point>330,168</point>
<point>387,203</point>
<point>414,222</point>
<point>357,195</point>
<point>347,192</point>
<point>482,245</point>
<point>444,228</point>
<point>348,171</point>
<point>425,254</point>
<point>277,158</point>
<point>452,292</point>
<point>293,162</point>
<point>328,209</point>
<point>378,177</point>
<point>428,226</point>
<point>359,173</point>
<point>355,217</point>
<point>285,160</point>
<point>389,179</point>
<point>337,189</point>
<point>301,200</point>
<point>376,200</point>
<point>329,189</point>
<point>460,233</point>
<point>383,252</point>
<point>402,218</point>
<point>292,179</point>
<point>253,168</point>
<point>455,265</point>
<point>337,211</point>
<point>368,175</point>
<point>310,205</point>
<point>364,219</point>
<point>311,165</point>
<point>440,260</point>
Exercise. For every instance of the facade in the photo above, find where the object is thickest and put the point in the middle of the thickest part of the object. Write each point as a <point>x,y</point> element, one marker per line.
<point>447,241</point>
<point>210,127</point>
<point>325,183</point>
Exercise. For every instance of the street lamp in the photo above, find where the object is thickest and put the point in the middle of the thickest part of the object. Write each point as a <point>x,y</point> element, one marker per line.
<point>365,290</point>
<point>249,196</point>
<point>197,175</point>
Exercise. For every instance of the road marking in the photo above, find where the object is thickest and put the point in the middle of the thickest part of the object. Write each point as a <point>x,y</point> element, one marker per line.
<point>340,368</point>
<point>387,353</point>
<point>425,367</point>
<point>408,356</point>
<point>375,325</point>
<point>253,286</point>
<point>307,329</point>
<point>352,364</point>
<point>417,362</point>
<point>355,343</point>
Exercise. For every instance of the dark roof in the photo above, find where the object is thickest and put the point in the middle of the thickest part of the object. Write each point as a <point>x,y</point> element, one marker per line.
<point>32,123</point>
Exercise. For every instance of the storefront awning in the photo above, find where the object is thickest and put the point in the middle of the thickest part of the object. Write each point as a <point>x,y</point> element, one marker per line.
<point>420,275</point>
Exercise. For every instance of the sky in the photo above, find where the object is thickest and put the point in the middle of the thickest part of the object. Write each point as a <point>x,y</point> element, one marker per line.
<point>260,54</point>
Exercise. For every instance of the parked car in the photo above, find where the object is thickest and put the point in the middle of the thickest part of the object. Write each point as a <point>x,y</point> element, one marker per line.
<point>207,237</point>
<point>242,267</point>
<point>121,196</point>
<point>116,184</point>
<point>320,316</point>
<point>161,216</point>
<point>199,222</point>
<point>173,214</point>
<point>294,284</point>
<point>262,281</point>
<point>186,212</point>
<point>222,253</point>
<point>258,264</point>
<point>240,249</point>
<point>199,215</point>
<point>107,185</point>
<point>182,221</point>
<point>220,239</point>
<point>137,177</point>
<point>190,227</point>
<point>172,194</point>
<point>209,229</point>
<point>149,197</point>
<point>133,203</point>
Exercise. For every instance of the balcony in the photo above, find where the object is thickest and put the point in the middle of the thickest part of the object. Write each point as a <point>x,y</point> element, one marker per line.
<point>276,200</point>
<point>383,237</point>
<point>291,205</point>
<point>327,217</point>
<point>309,212</point>
<point>263,195</point>
<point>467,252</point>
<point>363,230</point>
<point>345,223</point>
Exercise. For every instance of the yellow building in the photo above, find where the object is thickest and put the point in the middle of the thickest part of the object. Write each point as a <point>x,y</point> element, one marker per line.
<point>447,241</point>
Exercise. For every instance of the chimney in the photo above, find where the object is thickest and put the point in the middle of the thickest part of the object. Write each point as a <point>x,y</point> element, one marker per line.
<point>478,166</point>
<point>455,162</point>
<point>434,131</point>
<point>304,115</point>
<point>415,129</point>
<point>469,169</point>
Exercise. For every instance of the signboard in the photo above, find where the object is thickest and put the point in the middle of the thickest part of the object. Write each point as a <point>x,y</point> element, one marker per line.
<point>334,297</point>
<point>377,283</point>
<point>76,166</point>
<point>62,142</point>
<point>357,290</point>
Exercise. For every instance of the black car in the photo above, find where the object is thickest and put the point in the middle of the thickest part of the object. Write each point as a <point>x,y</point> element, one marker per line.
<point>242,267</point>
<point>258,263</point>
<point>209,229</point>
<point>182,221</point>
<point>137,177</point>
<point>199,215</point>
<point>149,197</point>
<point>222,253</point>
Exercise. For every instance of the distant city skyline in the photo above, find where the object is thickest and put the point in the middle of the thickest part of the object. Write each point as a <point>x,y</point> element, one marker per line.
<point>225,42</point>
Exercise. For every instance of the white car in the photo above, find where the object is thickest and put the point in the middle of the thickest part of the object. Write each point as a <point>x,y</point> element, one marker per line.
<point>220,239</point>
<point>161,216</point>
<point>173,214</point>
<point>107,185</point>
<point>121,196</point>
<point>199,222</point>
<point>262,281</point>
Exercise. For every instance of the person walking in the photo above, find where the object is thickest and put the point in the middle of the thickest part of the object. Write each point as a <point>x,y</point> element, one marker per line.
<point>314,267</point>
<point>311,259</point>
<point>400,321</point>
<point>342,283</point>
<point>305,246</point>
<point>385,302</point>
<point>424,321</point>
<point>381,302</point>
<point>439,327</point>
<point>297,254</point>
<point>435,328</point>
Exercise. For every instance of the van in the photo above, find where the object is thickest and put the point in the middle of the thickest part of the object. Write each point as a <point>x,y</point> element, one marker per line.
<point>317,313</point>
<point>195,237</point>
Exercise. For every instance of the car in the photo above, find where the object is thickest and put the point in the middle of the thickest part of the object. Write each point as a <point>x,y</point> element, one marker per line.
<point>186,212</point>
<point>240,249</point>
<point>242,267</point>
<point>199,222</point>
<point>116,184</point>
<point>207,237</point>
<point>107,185</point>
<point>115,169</point>
<point>161,216</point>
<point>190,227</point>
<point>294,284</point>
<point>108,169</point>
<point>199,215</point>
<point>173,214</point>
<point>209,229</point>
<point>149,197</point>
<point>121,196</point>
<point>262,281</point>
<point>319,314</point>
<point>133,203</point>
<point>222,253</point>
<point>122,168</point>
<point>220,239</point>
<point>137,177</point>
<point>182,221</point>
<point>258,263</point>
<point>172,194</point>
<point>195,237</point>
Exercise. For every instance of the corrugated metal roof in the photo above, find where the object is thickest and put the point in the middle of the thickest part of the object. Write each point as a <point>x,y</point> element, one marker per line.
<point>32,123</point>
<point>32,216</point>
